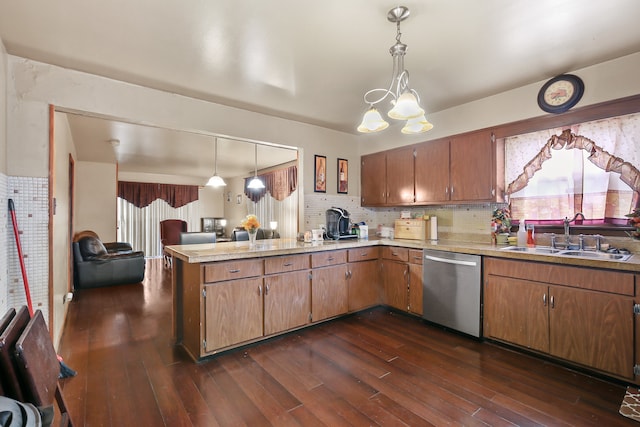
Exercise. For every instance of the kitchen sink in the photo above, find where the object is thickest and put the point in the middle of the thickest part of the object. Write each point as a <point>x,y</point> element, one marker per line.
<point>597,255</point>
<point>532,250</point>
<point>546,250</point>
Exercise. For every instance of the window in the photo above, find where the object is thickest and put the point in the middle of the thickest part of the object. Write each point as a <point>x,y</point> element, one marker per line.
<point>589,168</point>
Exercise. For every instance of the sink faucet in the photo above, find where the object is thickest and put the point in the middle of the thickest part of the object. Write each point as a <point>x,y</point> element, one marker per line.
<point>567,221</point>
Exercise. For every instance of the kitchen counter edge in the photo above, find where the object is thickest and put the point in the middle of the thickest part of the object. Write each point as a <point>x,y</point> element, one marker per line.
<point>225,251</point>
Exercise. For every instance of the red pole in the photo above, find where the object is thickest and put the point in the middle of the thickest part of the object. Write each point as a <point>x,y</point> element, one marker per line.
<point>20,257</point>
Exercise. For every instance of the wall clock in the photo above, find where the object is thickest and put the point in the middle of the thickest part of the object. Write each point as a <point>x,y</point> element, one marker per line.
<point>560,93</point>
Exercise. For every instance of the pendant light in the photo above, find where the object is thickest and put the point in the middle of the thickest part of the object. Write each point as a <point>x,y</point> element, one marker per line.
<point>216,180</point>
<point>405,101</point>
<point>256,183</point>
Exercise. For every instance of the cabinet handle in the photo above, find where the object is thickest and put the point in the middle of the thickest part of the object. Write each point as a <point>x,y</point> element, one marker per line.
<point>417,258</point>
<point>330,258</point>
<point>260,290</point>
<point>363,254</point>
<point>287,264</point>
<point>553,302</point>
<point>452,190</point>
<point>394,253</point>
<point>544,299</point>
<point>234,271</point>
<point>266,290</point>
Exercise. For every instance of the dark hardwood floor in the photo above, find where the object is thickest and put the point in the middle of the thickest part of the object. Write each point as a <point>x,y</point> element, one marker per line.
<point>373,368</point>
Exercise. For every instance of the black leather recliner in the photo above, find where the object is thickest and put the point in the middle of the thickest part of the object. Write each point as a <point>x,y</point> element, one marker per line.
<point>94,266</point>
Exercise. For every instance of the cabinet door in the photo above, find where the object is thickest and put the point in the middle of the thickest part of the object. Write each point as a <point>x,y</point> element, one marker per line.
<point>373,171</point>
<point>395,276</point>
<point>471,167</point>
<point>432,171</point>
<point>593,328</point>
<point>363,284</point>
<point>287,301</point>
<point>233,312</point>
<point>516,311</point>
<point>415,288</point>
<point>400,178</point>
<point>329,292</point>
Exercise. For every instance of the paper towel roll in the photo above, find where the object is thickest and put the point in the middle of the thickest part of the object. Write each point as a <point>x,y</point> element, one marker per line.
<point>433,231</point>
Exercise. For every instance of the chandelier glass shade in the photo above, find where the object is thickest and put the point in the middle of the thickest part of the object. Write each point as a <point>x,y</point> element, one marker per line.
<point>405,101</point>
<point>216,180</point>
<point>256,183</point>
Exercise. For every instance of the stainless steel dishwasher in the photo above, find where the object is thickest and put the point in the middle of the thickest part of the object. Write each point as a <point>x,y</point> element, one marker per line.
<point>451,294</point>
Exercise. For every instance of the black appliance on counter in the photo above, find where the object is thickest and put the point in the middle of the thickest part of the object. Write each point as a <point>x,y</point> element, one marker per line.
<point>338,224</point>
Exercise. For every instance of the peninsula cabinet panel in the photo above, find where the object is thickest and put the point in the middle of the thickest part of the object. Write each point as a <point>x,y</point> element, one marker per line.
<point>287,301</point>
<point>373,179</point>
<point>233,313</point>
<point>329,292</point>
<point>400,177</point>
<point>364,290</point>
<point>432,172</point>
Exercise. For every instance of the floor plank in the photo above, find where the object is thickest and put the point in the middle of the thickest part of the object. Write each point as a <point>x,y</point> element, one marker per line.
<point>377,367</point>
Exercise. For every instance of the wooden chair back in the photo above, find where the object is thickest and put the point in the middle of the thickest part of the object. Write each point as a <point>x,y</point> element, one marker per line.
<point>39,368</point>
<point>8,338</point>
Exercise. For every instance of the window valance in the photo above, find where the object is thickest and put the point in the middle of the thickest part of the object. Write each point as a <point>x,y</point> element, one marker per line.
<point>142,194</point>
<point>279,183</point>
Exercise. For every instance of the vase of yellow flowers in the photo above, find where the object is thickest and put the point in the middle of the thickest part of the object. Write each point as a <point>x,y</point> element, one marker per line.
<point>251,224</point>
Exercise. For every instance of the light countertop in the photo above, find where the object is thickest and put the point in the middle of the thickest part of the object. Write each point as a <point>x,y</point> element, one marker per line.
<point>224,251</point>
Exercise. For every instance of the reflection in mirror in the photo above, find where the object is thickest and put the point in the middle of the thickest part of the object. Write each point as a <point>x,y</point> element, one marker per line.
<point>141,153</point>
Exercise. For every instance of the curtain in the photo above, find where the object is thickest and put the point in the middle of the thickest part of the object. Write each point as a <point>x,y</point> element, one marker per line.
<point>279,184</point>
<point>555,173</point>
<point>141,194</point>
<point>141,226</point>
<point>284,211</point>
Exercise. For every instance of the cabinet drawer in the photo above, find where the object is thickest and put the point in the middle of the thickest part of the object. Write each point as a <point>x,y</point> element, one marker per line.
<point>363,254</point>
<point>398,254</point>
<point>415,256</point>
<point>321,259</point>
<point>228,270</point>
<point>279,264</point>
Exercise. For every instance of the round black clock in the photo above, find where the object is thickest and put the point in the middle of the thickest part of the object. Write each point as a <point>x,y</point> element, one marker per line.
<point>560,93</point>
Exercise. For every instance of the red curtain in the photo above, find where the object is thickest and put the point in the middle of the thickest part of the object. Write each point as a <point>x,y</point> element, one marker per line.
<point>279,183</point>
<point>141,194</point>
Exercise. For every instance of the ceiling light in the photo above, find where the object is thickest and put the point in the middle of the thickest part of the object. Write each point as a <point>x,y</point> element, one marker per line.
<point>405,101</point>
<point>216,180</point>
<point>256,183</point>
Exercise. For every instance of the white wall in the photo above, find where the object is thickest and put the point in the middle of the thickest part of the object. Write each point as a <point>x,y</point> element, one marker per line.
<point>211,202</point>
<point>96,203</point>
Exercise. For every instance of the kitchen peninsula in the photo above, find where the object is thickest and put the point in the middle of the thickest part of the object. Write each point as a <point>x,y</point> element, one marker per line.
<point>227,295</point>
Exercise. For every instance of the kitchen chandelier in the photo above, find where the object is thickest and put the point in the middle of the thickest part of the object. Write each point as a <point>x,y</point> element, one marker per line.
<point>256,183</point>
<point>405,100</point>
<point>216,180</point>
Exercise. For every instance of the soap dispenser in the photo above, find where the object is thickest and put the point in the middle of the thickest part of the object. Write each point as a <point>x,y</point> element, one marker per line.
<point>522,234</point>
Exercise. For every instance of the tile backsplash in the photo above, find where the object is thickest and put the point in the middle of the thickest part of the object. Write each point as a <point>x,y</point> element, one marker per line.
<point>462,223</point>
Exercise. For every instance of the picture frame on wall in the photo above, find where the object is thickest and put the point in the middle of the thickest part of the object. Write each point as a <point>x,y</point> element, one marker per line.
<point>343,176</point>
<point>320,174</point>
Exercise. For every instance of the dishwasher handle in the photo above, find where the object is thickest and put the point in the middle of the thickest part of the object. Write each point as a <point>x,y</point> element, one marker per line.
<point>451,261</point>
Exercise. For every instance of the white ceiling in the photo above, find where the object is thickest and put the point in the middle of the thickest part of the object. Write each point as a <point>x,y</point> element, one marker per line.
<point>312,61</point>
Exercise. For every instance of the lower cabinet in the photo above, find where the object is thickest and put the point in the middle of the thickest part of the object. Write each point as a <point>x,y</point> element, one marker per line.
<point>233,312</point>
<point>584,316</point>
<point>287,301</point>
<point>329,289</point>
<point>363,278</point>
<point>402,279</point>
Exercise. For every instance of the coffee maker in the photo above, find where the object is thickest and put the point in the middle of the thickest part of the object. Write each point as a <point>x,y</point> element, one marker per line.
<point>338,224</point>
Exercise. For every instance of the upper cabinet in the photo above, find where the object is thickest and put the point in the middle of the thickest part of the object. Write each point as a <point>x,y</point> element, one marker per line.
<point>466,168</point>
